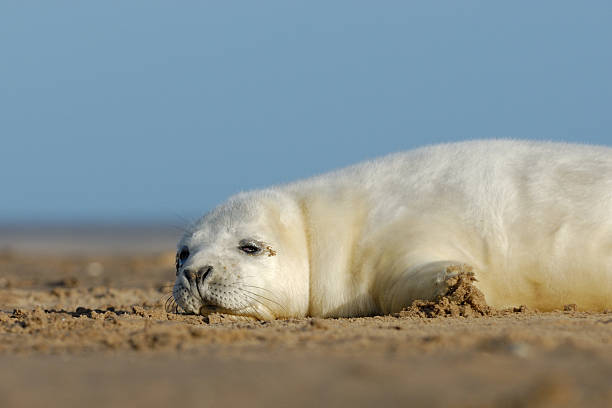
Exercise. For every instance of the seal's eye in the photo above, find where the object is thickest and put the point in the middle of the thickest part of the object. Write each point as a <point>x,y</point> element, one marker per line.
<point>249,247</point>
<point>182,256</point>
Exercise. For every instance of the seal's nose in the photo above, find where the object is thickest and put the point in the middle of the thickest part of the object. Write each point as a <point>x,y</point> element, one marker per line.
<point>199,275</point>
<point>190,275</point>
<point>204,272</point>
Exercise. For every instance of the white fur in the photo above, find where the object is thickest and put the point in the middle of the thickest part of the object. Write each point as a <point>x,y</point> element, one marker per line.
<point>533,219</point>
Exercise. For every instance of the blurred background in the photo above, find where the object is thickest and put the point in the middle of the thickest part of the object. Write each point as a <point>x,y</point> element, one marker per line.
<point>139,116</point>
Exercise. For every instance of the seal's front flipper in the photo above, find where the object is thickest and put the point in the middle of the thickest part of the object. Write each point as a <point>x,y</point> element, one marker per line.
<point>429,281</point>
<point>424,281</point>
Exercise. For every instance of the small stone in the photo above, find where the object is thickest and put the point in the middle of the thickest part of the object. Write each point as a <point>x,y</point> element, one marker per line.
<point>572,307</point>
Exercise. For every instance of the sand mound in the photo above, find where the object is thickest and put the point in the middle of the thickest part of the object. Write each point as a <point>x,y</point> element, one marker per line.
<point>462,299</point>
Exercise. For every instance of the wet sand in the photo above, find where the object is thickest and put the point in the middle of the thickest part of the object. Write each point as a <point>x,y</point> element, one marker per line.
<point>92,330</point>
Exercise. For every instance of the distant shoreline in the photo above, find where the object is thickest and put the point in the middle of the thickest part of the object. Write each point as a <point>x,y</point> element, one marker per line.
<point>89,237</point>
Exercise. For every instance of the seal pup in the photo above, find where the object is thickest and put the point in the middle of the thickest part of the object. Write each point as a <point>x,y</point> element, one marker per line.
<point>533,220</point>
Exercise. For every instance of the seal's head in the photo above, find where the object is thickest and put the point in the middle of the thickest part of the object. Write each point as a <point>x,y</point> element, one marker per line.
<point>248,257</point>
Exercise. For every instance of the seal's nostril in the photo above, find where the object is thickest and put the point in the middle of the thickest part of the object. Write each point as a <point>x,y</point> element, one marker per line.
<point>190,275</point>
<point>204,272</point>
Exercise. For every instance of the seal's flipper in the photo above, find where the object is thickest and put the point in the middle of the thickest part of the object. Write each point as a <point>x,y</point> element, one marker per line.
<point>427,281</point>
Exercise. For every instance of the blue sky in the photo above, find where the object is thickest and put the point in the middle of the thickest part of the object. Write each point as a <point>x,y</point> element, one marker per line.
<point>149,109</point>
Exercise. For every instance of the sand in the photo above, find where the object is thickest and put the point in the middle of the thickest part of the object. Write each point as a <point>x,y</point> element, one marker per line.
<point>93,331</point>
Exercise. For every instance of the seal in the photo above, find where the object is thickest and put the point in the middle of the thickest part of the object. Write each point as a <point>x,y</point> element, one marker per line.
<point>533,220</point>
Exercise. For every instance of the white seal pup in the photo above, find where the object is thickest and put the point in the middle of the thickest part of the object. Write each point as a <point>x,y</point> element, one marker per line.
<point>533,219</point>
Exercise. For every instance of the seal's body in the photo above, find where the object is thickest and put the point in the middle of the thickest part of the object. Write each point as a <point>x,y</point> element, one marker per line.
<point>533,219</point>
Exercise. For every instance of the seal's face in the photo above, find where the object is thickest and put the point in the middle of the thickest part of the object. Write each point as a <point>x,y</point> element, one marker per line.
<point>235,260</point>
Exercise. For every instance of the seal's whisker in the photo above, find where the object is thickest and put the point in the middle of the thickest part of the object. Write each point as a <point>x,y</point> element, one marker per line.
<point>241,283</point>
<point>269,300</point>
<point>168,303</point>
<point>244,295</point>
<point>260,295</point>
<point>254,311</point>
<point>263,297</point>
<point>179,228</point>
<point>185,220</point>
<point>257,287</point>
<point>254,299</point>
<point>247,306</point>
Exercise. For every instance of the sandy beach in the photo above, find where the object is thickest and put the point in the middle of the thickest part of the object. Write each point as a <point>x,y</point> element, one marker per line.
<point>91,329</point>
